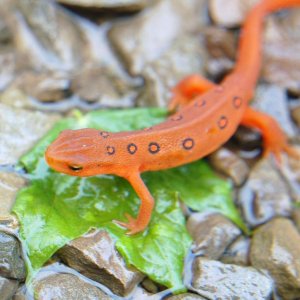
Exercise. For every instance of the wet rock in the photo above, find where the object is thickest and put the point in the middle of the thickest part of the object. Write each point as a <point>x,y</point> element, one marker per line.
<point>281,62</point>
<point>276,248</point>
<point>140,293</point>
<point>20,294</point>
<point>215,280</point>
<point>46,86</point>
<point>296,114</point>
<point>7,288</point>
<point>247,139</point>
<point>238,252</point>
<point>230,164</point>
<point>103,85</point>
<point>185,57</point>
<point>140,40</point>
<point>7,74</point>
<point>11,262</point>
<point>264,195</point>
<point>272,100</point>
<point>9,222</point>
<point>221,46</point>
<point>118,5</point>
<point>296,217</point>
<point>10,183</point>
<point>46,37</point>
<point>150,286</point>
<point>290,170</point>
<point>95,256</point>
<point>20,130</point>
<point>212,233</point>
<point>186,296</point>
<point>66,286</point>
<point>230,13</point>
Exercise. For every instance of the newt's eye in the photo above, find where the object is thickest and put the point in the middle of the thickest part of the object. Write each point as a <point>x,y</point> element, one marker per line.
<point>75,168</point>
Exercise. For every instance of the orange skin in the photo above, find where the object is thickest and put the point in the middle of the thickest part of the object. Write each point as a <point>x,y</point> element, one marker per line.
<point>209,115</point>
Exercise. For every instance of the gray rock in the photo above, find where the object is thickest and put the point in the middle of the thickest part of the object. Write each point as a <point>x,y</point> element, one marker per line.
<point>212,233</point>
<point>248,140</point>
<point>11,262</point>
<point>185,57</point>
<point>230,13</point>
<point>7,288</point>
<point>20,130</point>
<point>296,114</point>
<point>66,286</point>
<point>95,256</point>
<point>238,252</point>
<point>276,247</point>
<point>186,296</point>
<point>46,86</point>
<point>215,280</point>
<point>102,85</point>
<point>221,46</point>
<point>264,195</point>
<point>281,63</point>
<point>296,217</point>
<point>230,164</point>
<point>10,183</point>
<point>118,5</point>
<point>141,40</point>
<point>272,100</point>
<point>290,170</point>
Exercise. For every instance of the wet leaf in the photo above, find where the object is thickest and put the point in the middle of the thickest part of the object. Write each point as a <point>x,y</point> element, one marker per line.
<point>57,208</point>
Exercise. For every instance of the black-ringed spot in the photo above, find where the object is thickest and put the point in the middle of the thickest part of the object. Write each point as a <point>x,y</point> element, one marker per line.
<point>200,103</point>
<point>223,121</point>
<point>132,148</point>
<point>237,101</point>
<point>104,134</point>
<point>177,118</point>
<point>110,150</point>
<point>153,148</point>
<point>188,143</point>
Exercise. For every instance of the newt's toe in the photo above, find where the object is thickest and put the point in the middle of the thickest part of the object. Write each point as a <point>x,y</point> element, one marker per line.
<point>132,224</point>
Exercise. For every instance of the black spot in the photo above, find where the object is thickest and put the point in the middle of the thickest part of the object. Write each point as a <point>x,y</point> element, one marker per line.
<point>188,144</point>
<point>104,134</point>
<point>110,150</point>
<point>75,168</point>
<point>153,148</point>
<point>222,123</point>
<point>177,118</point>
<point>237,101</point>
<point>132,148</point>
<point>200,103</point>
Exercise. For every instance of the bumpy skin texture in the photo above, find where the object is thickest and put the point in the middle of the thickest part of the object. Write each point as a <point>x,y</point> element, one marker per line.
<point>208,116</point>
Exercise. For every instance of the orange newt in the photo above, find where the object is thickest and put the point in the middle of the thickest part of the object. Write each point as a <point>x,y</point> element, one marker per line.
<point>209,115</point>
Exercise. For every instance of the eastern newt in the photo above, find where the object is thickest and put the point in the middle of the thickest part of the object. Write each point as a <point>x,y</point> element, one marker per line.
<point>209,115</point>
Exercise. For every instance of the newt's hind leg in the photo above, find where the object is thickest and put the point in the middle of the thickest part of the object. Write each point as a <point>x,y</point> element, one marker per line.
<point>146,207</point>
<point>274,139</point>
<point>187,89</point>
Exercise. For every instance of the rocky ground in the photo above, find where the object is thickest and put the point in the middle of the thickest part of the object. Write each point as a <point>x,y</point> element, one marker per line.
<point>92,54</point>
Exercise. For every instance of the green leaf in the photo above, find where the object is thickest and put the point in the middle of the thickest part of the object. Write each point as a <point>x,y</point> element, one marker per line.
<point>57,208</point>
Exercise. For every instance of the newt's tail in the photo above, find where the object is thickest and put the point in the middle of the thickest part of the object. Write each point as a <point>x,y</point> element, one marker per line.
<point>249,52</point>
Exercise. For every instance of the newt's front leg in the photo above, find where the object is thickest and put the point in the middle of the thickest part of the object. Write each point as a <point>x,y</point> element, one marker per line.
<point>146,207</point>
<point>187,89</point>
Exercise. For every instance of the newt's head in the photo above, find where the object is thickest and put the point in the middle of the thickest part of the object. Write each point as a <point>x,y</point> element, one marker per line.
<point>81,152</point>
